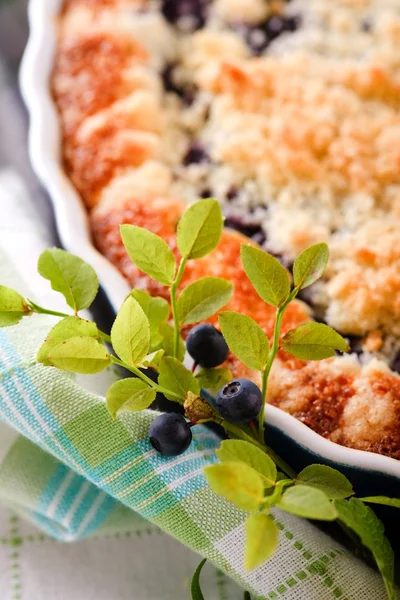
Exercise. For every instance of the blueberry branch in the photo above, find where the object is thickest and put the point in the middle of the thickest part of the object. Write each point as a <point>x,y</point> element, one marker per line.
<point>173,291</point>
<point>46,311</point>
<point>143,377</point>
<point>272,355</point>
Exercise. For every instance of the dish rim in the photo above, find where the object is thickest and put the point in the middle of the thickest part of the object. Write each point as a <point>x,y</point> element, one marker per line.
<point>72,222</point>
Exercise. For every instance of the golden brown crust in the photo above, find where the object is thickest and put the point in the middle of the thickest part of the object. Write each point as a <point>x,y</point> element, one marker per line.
<point>314,133</point>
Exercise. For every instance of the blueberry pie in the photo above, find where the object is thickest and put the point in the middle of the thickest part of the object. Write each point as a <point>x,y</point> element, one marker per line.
<point>288,113</point>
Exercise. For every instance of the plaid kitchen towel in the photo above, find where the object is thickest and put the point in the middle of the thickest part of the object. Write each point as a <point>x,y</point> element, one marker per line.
<point>75,472</point>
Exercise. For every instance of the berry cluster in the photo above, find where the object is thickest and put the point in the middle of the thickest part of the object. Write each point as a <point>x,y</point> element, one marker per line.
<point>239,401</point>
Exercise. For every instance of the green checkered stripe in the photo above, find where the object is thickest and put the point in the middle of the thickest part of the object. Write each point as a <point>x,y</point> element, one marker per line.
<point>73,470</point>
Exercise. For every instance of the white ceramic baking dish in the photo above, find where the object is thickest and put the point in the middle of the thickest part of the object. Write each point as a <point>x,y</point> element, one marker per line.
<point>374,473</point>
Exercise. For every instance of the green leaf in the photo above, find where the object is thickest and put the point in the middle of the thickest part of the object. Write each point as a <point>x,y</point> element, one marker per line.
<point>202,299</point>
<point>156,310</point>
<point>175,377</point>
<point>328,480</point>
<point>200,228</point>
<point>238,483</point>
<point>12,307</point>
<point>80,355</point>
<point>129,395</point>
<point>152,360</point>
<point>313,341</point>
<point>275,494</point>
<point>261,540</point>
<point>358,517</point>
<point>233,450</point>
<point>68,274</point>
<point>130,333</point>
<point>310,265</point>
<point>307,502</point>
<point>195,586</point>
<point>167,332</point>
<point>150,253</point>
<point>395,502</point>
<point>245,339</point>
<point>65,329</point>
<point>269,278</point>
<point>213,379</point>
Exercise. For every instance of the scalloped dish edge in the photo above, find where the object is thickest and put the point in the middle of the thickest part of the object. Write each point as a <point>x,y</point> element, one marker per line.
<point>71,219</point>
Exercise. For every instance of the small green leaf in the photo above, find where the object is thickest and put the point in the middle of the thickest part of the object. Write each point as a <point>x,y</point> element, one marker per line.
<point>156,310</point>
<point>130,333</point>
<point>195,586</point>
<point>245,339</point>
<point>307,502</point>
<point>261,540</point>
<point>310,265</point>
<point>129,395</point>
<point>68,274</point>
<point>12,307</point>
<point>152,360</point>
<point>80,355</point>
<point>328,480</point>
<point>269,278</point>
<point>275,494</point>
<point>395,502</point>
<point>238,483</point>
<point>64,330</point>
<point>150,253</point>
<point>233,450</point>
<point>167,333</point>
<point>213,379</point>
<point>175,377</point>
<point>313,341</point>
<point>200,228</point>
<point>358,517</point>
<point>202,299</point>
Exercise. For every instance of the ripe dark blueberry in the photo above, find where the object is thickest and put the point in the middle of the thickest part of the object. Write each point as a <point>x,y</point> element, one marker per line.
<point>239,401</point>
<point>207,346</point>
<point>196,154</point>
<point>395,364</point>
<point>187,14</point>
<point>170,434</point>
<point>259,36</point>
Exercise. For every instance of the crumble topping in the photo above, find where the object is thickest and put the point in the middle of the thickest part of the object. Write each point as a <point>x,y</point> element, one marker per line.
<point>288,113</point>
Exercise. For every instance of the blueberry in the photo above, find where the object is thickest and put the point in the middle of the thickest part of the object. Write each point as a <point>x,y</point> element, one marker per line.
<point>395,364</point>
<point>259,36</point>
<point>196,154</point>
<point>193,12</point>
<point>170,434</point>
<point>206,345</point>
<point>239,401</point>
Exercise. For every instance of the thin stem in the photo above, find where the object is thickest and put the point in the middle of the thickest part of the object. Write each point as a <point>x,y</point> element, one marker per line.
<point>104,336</point>
<point>45,311</point>
<point>272,355</point>
<point>174,310</point>
<point>144,377</point>
<point>240,434</point>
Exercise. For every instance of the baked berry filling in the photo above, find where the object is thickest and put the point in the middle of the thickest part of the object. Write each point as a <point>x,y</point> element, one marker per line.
<point>258,37</point>
<point>185,92</point>
<point>187,15</point>
<point>252,230</point>
<point>196,154</point>
<point>395,364</point>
